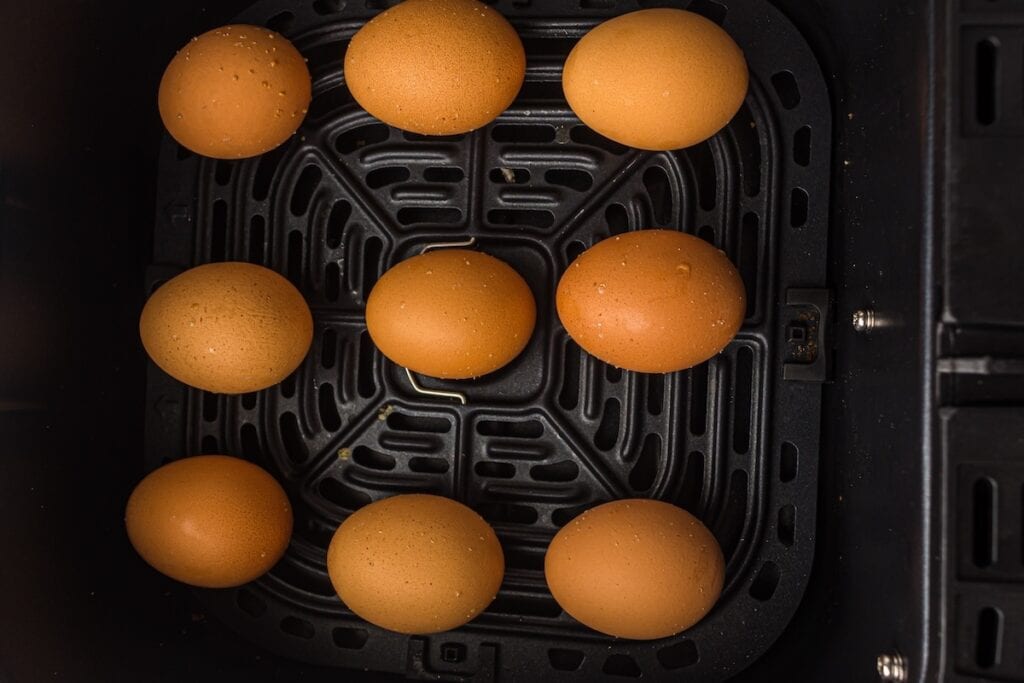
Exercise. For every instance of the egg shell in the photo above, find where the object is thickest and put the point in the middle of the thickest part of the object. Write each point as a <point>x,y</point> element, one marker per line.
<point>656,79</point>
<point>451,313</point>
<point>637,569</point>
<point>236,91</point>
<point>436,67</point>
<point>211,520</point>
<point>652,300</point>
<point>416,563</point>
<point>227,328</point>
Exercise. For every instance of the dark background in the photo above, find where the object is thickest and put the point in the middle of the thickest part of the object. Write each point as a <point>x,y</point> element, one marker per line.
<point>79,133</point>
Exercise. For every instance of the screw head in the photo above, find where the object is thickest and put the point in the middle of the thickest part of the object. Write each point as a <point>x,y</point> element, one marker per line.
<point>863,319</point>
<point>892,667</point>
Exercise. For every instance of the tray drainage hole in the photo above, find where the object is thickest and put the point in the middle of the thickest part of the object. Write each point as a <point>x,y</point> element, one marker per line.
<point>329,416</point>
<point>989,644</point>
<point>698,399</point>
<point>363,136</point>
<point>563,471</point>
<point>529,559</point>
<point>323,7</point>
<point>222,172</point>
<point>249,400</point>
<point>495,470</point>
<point>707,233</point>
<point>281,22</point>
<point>986,81</point>
<point>516,429</point>
<point>300,628</point>
<point>250,603</point>
<point>798,207</point>
<point>522,133</point>
<point>617,219</point>
<point>573,250</point>
<point>305,187</point>
<point>786,88</point>
<point>250,439</point>
<point>802,146</point>
<point>679,656</point>
<point>655,393</point>
<point>621,665</point>
<point>984,506</point>
<point>291,435</point>
<point>209,445</point>
<point>645,471</point>
<point>428,465</point>
<point>693,482</point>
<point>748,146</point>
<point>372,249</point>
<point>749,258</point>
<point>365,381</point>
<point>534,218</point>
<point>373,460</point>
<point>350,638</point>
<point>444,174</point>
<point>382,177</point>
<point>426,424</point>
<point>219,230</point>
<point>507,513</point>
<point>453,653</point>
<point>764,584</point>
<point>332,282</point>
<point>509,176</point>
<point>707,9</point>
<point>608,430</point>
<point>565,660</point>
<point>743,382</point>
<point>659,191</point>
<point>733,517</point>
<point>612,374</point>
<point>568,396</point>
<point>336,221</point>
<point>345,497</point>
<point>257,238</point>
<point>209,406</point>
<point>287,386</point>
<point>581,181</point>
<point>786,527</point>
<point>788,459</point>
<point>705,175</point>
<point>586,136</point>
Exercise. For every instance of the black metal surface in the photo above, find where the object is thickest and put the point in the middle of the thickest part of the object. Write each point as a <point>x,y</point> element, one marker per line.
<point>555,431</point>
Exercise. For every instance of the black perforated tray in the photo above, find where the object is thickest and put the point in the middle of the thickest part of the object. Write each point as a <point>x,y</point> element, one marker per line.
<point>556,431</point>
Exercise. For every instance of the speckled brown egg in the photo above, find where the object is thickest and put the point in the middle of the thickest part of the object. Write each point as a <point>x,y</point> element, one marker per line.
<point>451,313</point>
<point>416,563</point>
<point>229,328</point>
<point>236,91</point>
<point>637,569</point>
<point>656,79</point>
<point>652,300</point>
<point>436,67</point>
<point>212,521</point>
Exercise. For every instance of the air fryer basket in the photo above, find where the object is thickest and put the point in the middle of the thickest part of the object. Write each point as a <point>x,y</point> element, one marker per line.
<point>555,432</point>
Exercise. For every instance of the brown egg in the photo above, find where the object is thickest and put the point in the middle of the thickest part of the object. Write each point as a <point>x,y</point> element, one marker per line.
<point>211,521</point>
<point>416,563</point>
<point>236,91</point>
<point>638,569</point>
<point>436,67</point>
<point>656,78</point>
<point>229,328</point>
<point>652,300</point>
<point>451,313</point>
